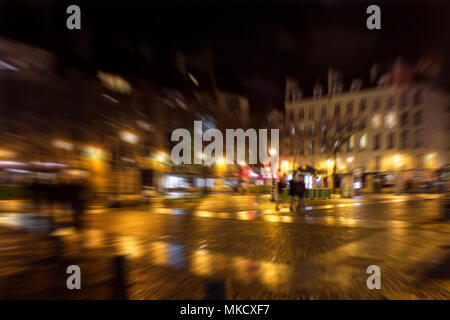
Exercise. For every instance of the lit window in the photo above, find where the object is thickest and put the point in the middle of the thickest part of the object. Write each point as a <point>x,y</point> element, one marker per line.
<point>391,119</point>
<point>376,121</point>
<point>418,117</point>
<point>363,142</point>
<point>350,143</point>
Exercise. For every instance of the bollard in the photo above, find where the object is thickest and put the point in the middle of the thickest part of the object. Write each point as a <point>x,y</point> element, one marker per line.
<point>215,290</point>
<point>119,290</point>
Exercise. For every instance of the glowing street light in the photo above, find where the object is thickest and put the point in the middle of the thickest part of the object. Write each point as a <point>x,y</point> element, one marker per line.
<point>161,156</point>
<point>129,137</point>
<point>61,144</point>
<point>7,154</point>
<point>220,161</point>
<point>284,166</point>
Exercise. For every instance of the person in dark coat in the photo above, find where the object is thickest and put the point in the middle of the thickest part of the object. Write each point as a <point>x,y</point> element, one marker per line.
<point>292,189</point>
<point>77,193</point>
<point>281,184</point>
<point>37,194</point>
<point>296,190</point>
<point>300,190</point>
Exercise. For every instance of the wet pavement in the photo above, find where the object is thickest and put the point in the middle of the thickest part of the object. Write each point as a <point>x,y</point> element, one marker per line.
<point>237,243</point>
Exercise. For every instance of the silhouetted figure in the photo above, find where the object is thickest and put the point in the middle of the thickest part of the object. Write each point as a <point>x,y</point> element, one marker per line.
<point>296,190</point>
<point>37,194</point>
<point>281,184</point>
<point>77,194</point>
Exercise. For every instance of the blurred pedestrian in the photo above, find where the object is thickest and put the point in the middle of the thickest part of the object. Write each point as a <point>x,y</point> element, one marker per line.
<point>296,190</point>
<point>300,191</point>
<point>281,184</point>
<point>36,191</point>
<point>292,188</point>
<point>78,201</point>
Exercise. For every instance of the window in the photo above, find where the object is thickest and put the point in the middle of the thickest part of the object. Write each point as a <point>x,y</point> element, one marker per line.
<point>337,126</point>
<point>324,111</point>
<point>337,109</point>
<point>377,121</point>
<point>311,113</point>
<point>403,100</point>
<point>362,124</point>
<point>311,129</point>
<point>390,102</point>
<point>362,105</point>
<point>311,147</point>
<point>404,140</point>
<point>363,142</point>
<point>404,119</point>
<point>350,107</point>
<point>350,144</point>
<point>418,97</point>
<point>418,117</point>
<point>290,115</point>
<point>417,138</point>
<point>301,114</point>
<point>376,141</point>
<point>390,143</point>
<point>350,125</point>
<point>391,119</point>
<point>376,104</point>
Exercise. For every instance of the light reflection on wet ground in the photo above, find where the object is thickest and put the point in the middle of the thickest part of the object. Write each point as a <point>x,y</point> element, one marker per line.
<point>263,254</point>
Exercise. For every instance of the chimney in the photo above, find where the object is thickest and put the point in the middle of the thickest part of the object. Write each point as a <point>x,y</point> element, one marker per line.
<point>334,82</point>
<point>293,92</point>
<point>374,73</point>
<point>356,85</point>
<point>318,90</point>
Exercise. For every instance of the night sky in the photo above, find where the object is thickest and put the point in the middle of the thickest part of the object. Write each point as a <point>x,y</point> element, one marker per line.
<point>259,42</point>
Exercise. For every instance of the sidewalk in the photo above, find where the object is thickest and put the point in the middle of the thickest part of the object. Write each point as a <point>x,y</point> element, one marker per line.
<point>237,203</point>
<point>233,202</point>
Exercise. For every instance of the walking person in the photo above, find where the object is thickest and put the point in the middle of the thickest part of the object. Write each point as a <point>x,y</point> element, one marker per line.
<point>281,184</point>
<point>292,189</point>
<point>78,202</point>
<point>297,190</point>
<point>300,191</point>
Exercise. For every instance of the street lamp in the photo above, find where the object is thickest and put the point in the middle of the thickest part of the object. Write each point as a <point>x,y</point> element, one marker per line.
<point>61,144</point>
<point>129,137</point>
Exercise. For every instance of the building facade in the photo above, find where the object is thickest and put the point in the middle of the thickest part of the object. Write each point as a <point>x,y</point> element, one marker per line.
<point>389,129</point>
